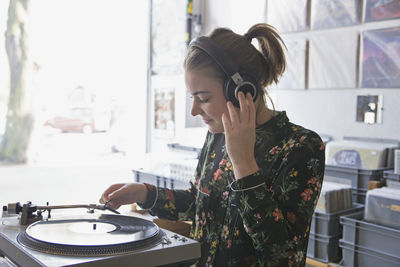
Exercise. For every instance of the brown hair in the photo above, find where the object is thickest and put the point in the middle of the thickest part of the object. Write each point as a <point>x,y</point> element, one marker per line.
<point>266,64</point>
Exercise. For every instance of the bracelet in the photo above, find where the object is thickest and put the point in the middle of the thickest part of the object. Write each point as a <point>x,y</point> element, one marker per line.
<point>249,188</point>
<point>155,200</point>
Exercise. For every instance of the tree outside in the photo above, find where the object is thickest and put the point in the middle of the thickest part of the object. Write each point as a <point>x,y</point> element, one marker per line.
<point>19,123</point>
<point>58,63</point>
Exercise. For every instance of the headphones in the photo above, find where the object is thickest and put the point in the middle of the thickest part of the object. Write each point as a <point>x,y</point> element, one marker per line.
<point>235,80</point>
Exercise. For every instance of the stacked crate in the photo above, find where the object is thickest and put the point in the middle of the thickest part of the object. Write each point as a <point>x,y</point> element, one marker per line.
<point>358,179</point>
<point>366,244</point>
<point>392,179</point>
<point>325,233</point>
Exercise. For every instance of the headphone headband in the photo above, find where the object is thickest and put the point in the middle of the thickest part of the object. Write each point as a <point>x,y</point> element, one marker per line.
<point>235,81</point>
<point>218,54</point>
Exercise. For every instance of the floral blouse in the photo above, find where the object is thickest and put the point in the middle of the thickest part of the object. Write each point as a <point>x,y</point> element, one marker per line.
<point>259,220</point>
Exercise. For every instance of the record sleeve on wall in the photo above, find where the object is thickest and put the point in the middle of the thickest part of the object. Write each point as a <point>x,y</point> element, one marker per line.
<point>382,9</point>
<point>168,36</point>
<point>334,13</point>
<point>295,74</point>
<point>288,15</point>
<point>164,110</point>
<point>381,58</point>
<point>333,60</point>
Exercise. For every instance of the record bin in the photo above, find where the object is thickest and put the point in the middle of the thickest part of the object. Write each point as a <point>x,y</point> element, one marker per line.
<point>324,248</point>
<point>392,179</point>
<point>180,147</point>
<point>366,244</point>
<point>357,178</point>
<point>162,181</point>
<point>358,256</point>
<point>382,206</point>
<point>325,232</point>
<point>328,224</point>
<point>390,175</point>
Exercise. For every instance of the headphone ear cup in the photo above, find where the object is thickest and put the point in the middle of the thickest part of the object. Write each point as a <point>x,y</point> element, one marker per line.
<point>229,91</point>
<point>230,87</point>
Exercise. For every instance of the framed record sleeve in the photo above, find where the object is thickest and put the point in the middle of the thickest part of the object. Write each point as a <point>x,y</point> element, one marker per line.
<point>333,60</point>
<point>168,36</point>
<point>380,58</point>
<point>288,15</point>
<point>295,74</point>
<point>164,110</point>
<point>382,9</point>
<point>334,13</point>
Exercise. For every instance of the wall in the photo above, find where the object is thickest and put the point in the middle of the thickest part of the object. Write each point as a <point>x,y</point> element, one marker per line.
<point>327,111</point>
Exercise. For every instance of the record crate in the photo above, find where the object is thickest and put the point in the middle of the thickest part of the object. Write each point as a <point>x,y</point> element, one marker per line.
<point>368,244</point>
<point>180,147</point>
<point>324,248</point>
<point>392,179</point>
<point>358,179</point>
<point>325,232</point>
<point>358,256</point>
<point>328,224</point>
<point>162,181</point>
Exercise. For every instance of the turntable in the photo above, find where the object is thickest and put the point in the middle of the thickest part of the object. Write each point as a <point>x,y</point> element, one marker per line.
<point>98,238</point>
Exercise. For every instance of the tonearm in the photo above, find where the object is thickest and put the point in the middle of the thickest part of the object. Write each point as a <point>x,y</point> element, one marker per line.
<point>31,213</point>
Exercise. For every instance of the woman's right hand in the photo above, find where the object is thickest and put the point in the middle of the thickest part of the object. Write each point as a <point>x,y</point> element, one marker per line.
<point>121,194</point>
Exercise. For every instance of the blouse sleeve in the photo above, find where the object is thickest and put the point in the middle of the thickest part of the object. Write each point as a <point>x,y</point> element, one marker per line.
<point>175,204</point>
<point>170,204</point>
<point>276,204</point>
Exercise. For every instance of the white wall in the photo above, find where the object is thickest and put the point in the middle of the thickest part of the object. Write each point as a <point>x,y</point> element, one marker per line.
<point>238,15</point>
<point>333,112</point>
<point>327,111</point>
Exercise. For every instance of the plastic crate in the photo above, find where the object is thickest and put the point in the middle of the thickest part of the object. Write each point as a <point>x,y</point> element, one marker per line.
<point>359,195</point>
<point>324,248</point>
<point>358,256</point>
<point>328,224</point>
<point>379,238</point>
<point>392,179</point>
<point>389,174</point>
<point>159,180</point>
<point>358,179</point>
<point>185,148</point>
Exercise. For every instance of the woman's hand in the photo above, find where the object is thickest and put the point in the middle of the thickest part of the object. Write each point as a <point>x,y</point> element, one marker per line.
<point>121,194</point>
<point>240,134</point>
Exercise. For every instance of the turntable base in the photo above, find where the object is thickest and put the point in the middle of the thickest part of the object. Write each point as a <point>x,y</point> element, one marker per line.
<point>159,247</point>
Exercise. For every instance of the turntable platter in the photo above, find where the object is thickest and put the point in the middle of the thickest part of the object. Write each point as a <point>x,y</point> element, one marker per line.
<point>103,234</point>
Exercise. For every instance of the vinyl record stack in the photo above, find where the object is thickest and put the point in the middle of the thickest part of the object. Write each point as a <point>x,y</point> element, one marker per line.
<point>357,161</point>
<point>184,170</point>
<point>383,207</point>
<point>334,197</point>
<point>171,169</point>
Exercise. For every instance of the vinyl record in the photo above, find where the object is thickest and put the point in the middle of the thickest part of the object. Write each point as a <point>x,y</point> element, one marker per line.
<point>102,234</point>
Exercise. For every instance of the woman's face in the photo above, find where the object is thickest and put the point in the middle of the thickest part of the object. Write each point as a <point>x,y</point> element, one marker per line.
<point>208,99</point>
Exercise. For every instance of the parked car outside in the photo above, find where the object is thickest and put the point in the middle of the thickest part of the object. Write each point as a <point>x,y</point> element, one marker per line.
<point>80,120</point>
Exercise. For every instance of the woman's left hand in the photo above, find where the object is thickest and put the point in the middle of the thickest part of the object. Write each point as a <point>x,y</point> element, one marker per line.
<point>240,135</point>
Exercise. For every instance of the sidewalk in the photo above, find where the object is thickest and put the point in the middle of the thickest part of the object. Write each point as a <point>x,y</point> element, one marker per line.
<point>61,177</point>
<point>58,185</point>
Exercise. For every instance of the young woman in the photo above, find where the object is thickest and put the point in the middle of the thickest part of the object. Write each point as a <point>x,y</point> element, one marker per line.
<point>259,176</point>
